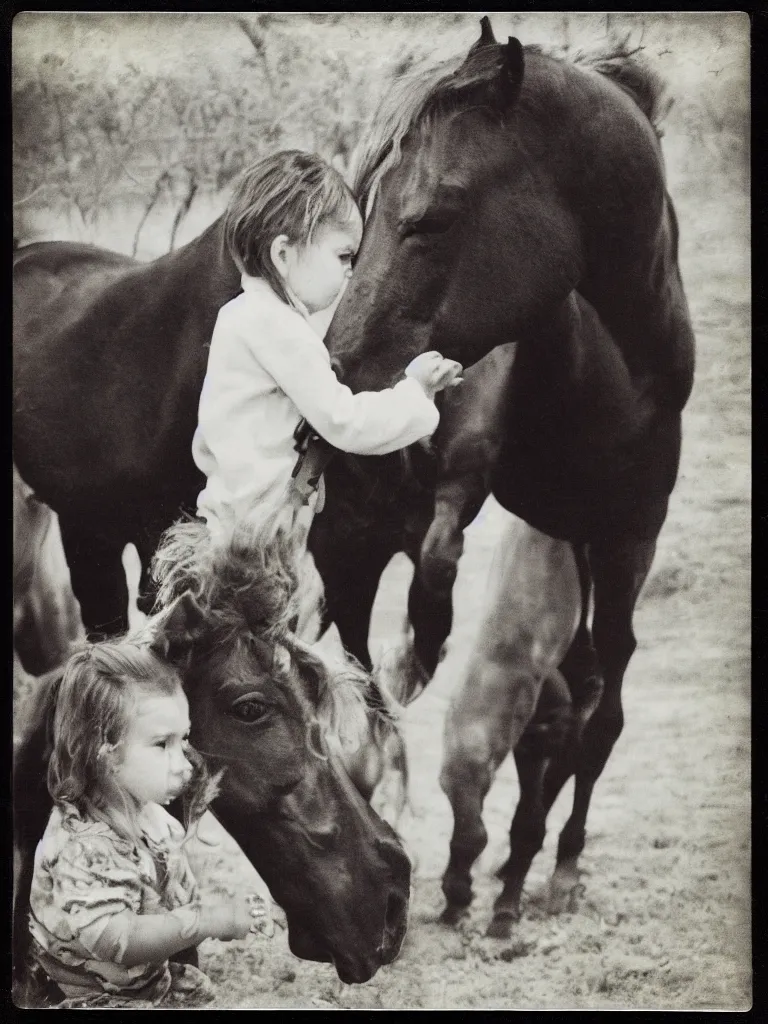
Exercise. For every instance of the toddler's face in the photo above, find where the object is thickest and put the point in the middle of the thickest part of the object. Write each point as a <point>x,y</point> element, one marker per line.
<point>154,766</point>
<point>316,273</point>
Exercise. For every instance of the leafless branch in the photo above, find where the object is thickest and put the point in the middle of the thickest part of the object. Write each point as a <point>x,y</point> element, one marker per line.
<point>159,185</point>
<point>184,206</point>
<point>32,194</point>
<point>258,44</point>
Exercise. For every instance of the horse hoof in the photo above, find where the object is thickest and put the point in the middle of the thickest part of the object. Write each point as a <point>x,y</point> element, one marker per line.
<point>452,915</point>
<point>500,926</point>
<point>564,896</point>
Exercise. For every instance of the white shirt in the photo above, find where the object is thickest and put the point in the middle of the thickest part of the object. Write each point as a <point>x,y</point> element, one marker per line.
<point>268,368</point>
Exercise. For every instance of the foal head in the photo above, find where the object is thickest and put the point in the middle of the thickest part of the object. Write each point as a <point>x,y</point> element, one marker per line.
<point>263,706</point>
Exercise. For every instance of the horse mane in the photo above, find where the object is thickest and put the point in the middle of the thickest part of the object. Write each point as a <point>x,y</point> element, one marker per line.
<point>641,83</point>
<point>428,88</point>
<point>245,582</point>
<point>402,107</point>
<point>253,586</point>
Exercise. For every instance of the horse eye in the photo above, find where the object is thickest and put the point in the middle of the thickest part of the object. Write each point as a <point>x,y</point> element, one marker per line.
<point>249,710</point>
<point>431,224</point>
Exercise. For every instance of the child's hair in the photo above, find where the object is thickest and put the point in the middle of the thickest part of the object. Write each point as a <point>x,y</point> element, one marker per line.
<point>93,707</point>
<point>289,193</point>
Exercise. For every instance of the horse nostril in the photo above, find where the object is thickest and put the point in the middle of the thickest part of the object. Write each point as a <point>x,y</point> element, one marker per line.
<point>396,857</point>
<point>393,915</point>
<point>337,368</point>
<point>395,927</point>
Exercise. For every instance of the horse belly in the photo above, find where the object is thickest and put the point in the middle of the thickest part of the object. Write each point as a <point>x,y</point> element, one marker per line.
<point>581,496</point>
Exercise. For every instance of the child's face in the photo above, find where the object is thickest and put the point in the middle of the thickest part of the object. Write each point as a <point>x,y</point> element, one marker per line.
<point>317,272</point>
<point>154,766</point>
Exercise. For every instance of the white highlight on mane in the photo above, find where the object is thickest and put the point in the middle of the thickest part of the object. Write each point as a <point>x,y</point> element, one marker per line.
<point>398,111</point>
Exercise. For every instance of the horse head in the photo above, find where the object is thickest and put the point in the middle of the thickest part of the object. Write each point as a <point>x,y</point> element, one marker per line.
<point>488,185</point>
<point>267,709</point>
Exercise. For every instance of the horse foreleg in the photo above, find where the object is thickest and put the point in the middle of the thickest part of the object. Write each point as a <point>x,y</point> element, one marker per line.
<point>431,616</point>
<point>457,502</point>
<point>351,580</point>
<point>484,723</point>
<point>472,756</point>
<point>581,665</point>
<point>98,578</point>
<point>146,541</point>
<point>619,570</point>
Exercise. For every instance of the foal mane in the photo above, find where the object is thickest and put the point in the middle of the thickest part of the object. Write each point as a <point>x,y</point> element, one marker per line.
<point>253,587</point>
<point>427,89</point>
<point>245,583</point>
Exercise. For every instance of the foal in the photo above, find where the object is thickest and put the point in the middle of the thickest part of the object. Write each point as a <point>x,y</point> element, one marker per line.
<point>513,687</point>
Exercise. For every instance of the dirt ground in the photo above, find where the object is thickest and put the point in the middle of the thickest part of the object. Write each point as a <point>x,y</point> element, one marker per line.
<point>665,917</point>
<point>664,920</point>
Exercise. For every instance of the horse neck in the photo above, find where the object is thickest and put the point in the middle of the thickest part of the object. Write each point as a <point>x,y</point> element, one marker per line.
<point>204,266</point>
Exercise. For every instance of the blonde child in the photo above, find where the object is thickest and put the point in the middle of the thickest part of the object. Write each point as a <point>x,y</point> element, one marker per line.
<point>112,894</point>
<point>293,229</point>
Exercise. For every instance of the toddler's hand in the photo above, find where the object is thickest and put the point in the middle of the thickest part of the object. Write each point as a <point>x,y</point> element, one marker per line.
<point>434,372</point>
<point>226,919</point>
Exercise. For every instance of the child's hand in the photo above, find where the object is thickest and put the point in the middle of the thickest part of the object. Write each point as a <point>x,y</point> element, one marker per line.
<point>434,372</point>
<point>226,919</point>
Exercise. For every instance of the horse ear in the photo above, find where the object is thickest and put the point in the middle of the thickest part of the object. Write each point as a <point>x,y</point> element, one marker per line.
<point>512,70</point>
<point>487,38</point>
<point>178,628</point>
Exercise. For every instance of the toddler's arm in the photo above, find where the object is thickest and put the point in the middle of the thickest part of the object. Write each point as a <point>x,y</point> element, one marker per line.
<point>132,939</point>
<point>366,423</point>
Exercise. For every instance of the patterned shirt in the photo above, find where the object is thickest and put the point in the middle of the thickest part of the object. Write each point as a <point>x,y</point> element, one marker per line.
<point>85,876</point>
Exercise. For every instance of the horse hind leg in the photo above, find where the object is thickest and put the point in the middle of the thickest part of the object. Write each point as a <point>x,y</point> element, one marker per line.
<point>619,571</point>
<point>581,665</point>
<point>98,578</point>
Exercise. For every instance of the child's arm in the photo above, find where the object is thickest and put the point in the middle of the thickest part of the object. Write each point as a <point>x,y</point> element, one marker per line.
<point>366,423</point>
<point>131,939</point>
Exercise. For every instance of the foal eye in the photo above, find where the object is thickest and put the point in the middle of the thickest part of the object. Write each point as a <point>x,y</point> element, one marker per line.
<point>249,710</point>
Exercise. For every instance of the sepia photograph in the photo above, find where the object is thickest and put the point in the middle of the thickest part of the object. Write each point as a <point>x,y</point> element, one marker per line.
<point>381,456</point>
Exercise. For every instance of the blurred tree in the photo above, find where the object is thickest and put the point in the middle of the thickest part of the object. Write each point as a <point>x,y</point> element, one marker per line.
<point>87,136</point>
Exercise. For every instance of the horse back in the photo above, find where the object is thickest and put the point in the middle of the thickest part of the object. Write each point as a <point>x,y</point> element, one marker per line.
<point>108,360</point>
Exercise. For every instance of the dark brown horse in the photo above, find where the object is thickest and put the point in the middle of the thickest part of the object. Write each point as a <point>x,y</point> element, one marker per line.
<point>517,197</point>
<point>262,706</point>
